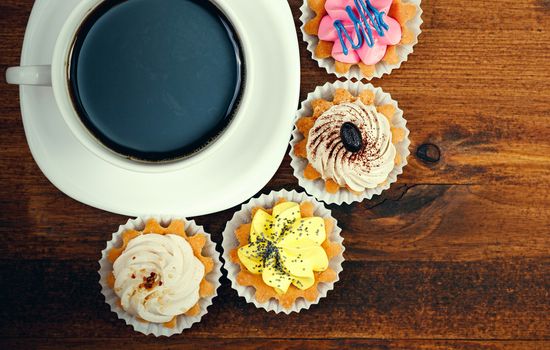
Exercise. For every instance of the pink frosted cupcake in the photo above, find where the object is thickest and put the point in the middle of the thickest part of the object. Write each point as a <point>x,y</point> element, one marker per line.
<point>361,38</point>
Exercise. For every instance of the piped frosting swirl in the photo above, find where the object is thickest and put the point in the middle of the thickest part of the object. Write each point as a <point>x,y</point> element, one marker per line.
<point>360,29</point>
<point>366,168</point>
<point>158,277</point>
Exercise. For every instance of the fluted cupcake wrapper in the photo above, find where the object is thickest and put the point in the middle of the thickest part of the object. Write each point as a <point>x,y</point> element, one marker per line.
<point>183,321</point>
<point>316,188</point>
<point>244,216</point>
<point>381,68</point>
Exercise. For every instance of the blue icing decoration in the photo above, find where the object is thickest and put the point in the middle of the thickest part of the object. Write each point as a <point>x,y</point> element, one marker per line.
<point>369,18</point>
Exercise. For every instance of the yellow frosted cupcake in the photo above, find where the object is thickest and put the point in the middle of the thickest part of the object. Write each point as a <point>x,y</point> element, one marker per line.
<point>283,251</point>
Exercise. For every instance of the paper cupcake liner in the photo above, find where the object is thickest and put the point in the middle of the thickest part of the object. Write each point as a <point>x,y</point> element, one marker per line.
<point>244,216</point>
<point>316,188</point>
<point>183,322</point>
<point>381,68</point>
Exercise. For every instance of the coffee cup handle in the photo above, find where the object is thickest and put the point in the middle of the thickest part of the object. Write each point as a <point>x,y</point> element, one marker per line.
<point>29,75</point>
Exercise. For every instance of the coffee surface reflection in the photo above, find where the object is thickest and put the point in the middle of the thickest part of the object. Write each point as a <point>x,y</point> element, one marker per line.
<point>156,80</point>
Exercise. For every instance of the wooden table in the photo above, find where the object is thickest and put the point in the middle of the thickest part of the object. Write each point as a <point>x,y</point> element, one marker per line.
<point>455,256</point>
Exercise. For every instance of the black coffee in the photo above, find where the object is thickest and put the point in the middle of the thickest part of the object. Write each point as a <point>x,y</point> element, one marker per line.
<point>156,80</point>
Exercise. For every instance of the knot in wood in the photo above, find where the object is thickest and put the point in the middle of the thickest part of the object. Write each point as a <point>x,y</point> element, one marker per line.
<point>428,153</point>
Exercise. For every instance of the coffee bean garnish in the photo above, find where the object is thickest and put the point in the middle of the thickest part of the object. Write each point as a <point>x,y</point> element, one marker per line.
<point>351,137</point>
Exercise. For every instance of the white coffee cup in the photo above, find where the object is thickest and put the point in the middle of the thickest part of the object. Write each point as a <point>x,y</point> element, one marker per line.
<point>56,75</point>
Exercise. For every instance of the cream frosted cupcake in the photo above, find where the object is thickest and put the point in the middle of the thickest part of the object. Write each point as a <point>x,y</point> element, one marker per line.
<point>350,142</point>
<point>283,251</point>
<point>361,38</point>
<point>160,274</point>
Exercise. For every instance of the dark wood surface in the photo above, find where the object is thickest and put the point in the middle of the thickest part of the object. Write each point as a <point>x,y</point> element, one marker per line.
<point>455,256</point>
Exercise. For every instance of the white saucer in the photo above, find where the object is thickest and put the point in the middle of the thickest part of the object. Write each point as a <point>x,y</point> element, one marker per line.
<point>236,171</point>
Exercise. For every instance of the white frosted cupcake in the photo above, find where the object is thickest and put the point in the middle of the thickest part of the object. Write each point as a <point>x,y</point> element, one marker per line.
<point>350,142</point>
<point>160,274</point>
<point>283,251</point>
<point>361,38</point>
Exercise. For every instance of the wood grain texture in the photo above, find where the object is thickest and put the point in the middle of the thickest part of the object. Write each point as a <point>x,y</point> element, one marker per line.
<point>456,255</point>
<point>501,299</point>
<point>268,344</point>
